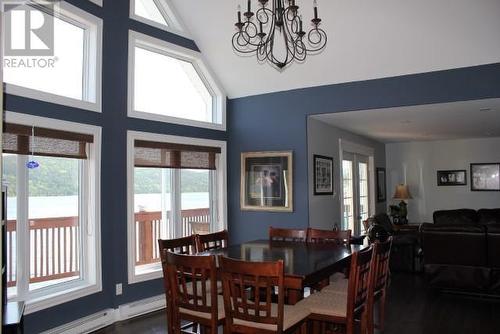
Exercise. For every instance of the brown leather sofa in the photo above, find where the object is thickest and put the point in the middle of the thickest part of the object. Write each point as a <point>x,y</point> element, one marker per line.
<point>461,250</point>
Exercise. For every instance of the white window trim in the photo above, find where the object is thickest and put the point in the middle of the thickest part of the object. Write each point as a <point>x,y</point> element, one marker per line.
<point>92,95</point>
<point>221,191</point>
<point>185,54</point>
<point>92,283</point>
<point>351,147</point>
<point>175,24</point>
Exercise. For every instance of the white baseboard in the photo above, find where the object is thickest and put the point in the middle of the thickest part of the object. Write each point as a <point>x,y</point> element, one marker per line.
<point>110,316</point>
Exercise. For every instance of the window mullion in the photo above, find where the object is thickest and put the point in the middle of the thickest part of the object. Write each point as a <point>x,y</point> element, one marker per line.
<point>23,248</point>
<point>213,207</point>
<point>83,226</point>
<point>177,203</point>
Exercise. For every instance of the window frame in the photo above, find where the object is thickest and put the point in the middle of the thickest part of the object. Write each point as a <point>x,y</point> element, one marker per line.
<point>92,72</point>
<point>152,44</point>
<point>175,24</point>
<point>220,191</point>
<point>91,281</point>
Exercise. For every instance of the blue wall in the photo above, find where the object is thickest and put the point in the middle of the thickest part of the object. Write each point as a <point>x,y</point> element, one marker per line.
<point>277,121</point>
<point>115,123</point>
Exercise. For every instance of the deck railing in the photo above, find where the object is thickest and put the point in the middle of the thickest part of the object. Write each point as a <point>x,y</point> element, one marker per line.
<point>55,245</point>
<point>148,229</point>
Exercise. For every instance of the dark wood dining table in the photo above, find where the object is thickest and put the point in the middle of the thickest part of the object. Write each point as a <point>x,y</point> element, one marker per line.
<point>306,264</point>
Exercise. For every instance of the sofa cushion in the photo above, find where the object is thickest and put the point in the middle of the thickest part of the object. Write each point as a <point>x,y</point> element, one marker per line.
<point>454,245</point>
<point>455,217</point>
<point>493,240</point>
<point>488,216</point>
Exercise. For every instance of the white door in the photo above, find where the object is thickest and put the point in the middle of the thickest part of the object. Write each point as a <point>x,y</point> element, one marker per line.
<point>355,191</point>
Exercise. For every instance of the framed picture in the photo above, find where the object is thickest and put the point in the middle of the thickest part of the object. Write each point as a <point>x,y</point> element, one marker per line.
<point>266,181</point>
<point>452,177</point>
<point>485,177</point>
<point>323,175</point>
<point>381,185</point>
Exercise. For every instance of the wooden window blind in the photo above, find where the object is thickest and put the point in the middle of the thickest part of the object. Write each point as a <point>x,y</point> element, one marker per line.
<point>166,155</point>
<point>18,139</point>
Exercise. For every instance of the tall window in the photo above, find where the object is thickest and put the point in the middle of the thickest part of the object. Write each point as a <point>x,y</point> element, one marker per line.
<point>356,193</point>
<point>169,83</point>
<point>51,223</point>
<point>73,65</point>
<point>177,191</point>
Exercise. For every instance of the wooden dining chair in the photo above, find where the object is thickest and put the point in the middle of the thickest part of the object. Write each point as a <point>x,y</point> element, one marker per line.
<point>342,311</point>
<point>218,240</point>
<point>380,278</point>
<point>192,282</point>
<point>285,234</point>
<point>186,245</point>
<point>323,236</point>
<point>248,291</point>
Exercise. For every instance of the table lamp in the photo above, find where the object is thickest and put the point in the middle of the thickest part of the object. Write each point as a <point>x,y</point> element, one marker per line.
<point>402,193</point>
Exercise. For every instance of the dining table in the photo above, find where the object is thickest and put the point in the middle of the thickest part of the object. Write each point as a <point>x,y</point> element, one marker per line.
<point>305,264</point>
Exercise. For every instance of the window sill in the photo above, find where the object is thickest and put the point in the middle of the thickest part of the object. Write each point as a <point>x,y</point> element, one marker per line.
<point>61,297</point>
<point>51,98</point>
<point>176,120</point>
<point>146,275</point>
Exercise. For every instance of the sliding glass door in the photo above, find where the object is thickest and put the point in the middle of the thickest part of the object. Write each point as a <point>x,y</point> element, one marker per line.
<point>355,191</point>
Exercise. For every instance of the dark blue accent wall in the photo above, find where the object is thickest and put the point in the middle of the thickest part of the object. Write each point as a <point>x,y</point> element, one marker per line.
<point>115,123</point>
<point>277,121</point>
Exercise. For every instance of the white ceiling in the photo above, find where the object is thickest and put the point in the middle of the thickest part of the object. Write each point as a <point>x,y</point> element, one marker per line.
<point>468,119</point>
<point>367,40</point>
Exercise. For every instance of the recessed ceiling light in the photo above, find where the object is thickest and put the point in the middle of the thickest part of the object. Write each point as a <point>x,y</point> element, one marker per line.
<point>405,121</point>
<point>485,109</point>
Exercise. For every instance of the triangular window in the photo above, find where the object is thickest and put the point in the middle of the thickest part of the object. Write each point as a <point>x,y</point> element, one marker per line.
<point>152,10</point>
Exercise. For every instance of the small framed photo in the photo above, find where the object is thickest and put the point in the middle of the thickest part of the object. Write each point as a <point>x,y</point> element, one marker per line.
<point>381,185</point>
<point>485,177</point>
<point>452,177</point>
<point>323,175</point>
<point>266,181</point>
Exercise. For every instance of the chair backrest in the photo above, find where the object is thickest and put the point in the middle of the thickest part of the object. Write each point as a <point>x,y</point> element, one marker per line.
<point>380,265</point>
<point>217,240</point>
<point>359,280</point>
<point>323,236</point>
<point>193,283</point>
<point>258,279</point>
<point>186,245</point>
<point>285,234</point>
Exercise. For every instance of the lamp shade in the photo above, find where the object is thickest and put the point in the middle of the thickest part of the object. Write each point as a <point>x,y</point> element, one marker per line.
<point>402,192</point>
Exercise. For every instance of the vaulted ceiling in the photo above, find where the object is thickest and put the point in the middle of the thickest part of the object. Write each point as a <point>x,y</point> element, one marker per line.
<point>367,40</point>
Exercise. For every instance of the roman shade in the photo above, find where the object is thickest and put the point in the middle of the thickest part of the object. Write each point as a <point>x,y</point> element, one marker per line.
<point>167,155</point>
<point>18,139</point>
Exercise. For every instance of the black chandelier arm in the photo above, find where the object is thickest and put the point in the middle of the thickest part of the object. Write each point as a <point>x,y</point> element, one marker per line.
<point>259,35</point>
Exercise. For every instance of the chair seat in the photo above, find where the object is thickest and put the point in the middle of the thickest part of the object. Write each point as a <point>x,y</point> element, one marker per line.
<point>329,304</point>
<point>338,284</point>
<point>293,314</point>
<point>220,310</point>
<point>189,287</point>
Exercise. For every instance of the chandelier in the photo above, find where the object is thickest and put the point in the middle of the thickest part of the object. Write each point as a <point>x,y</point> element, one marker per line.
<point>281,25</point>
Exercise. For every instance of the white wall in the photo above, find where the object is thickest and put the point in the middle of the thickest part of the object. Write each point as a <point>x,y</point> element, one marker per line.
<point>323,139</point>
<point>417,164</point>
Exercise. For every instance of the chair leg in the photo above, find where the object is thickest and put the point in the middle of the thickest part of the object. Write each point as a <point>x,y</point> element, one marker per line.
<point>381,313</point>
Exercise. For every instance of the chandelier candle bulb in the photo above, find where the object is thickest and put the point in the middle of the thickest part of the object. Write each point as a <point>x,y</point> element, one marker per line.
<point>316,10</point>
<point>239,14</point>
<point>249,6</point>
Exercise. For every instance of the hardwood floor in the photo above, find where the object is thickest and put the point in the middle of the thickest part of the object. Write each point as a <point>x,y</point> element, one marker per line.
<point>411,309</point>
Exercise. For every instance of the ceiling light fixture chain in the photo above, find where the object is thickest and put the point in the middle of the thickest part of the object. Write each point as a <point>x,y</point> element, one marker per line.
<point>258,32</point>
